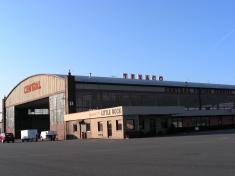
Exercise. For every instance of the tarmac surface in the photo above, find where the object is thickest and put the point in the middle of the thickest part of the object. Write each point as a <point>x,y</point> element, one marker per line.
<point>203,155</point>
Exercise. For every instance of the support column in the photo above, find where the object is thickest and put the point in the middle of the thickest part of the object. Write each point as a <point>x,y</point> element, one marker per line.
<point>4,114</point>
<point>70,94</point>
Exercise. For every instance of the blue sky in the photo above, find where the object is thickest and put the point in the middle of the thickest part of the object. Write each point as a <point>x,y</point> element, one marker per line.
<point>183,40</point>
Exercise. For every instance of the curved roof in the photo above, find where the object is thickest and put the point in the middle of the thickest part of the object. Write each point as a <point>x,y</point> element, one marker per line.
<point>54,75</point>
<point>48,84</point>
<point>121,81</point>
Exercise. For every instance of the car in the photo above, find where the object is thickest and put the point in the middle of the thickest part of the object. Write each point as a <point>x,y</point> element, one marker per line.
<point>7,137</point>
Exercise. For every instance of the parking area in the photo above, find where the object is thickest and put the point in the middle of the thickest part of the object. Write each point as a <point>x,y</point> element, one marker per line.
<point>209,155</point>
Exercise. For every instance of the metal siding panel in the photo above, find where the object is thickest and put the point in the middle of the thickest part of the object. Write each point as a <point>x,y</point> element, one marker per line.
<point>49,85</point>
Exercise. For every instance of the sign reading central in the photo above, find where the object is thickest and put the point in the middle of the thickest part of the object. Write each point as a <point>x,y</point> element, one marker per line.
<point>32,87</point>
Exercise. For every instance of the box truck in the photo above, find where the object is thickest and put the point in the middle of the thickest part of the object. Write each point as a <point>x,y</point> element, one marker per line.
<point>29,135</point>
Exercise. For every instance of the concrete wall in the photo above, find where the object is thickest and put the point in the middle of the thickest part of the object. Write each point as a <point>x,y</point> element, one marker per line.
<point>70,133</point>
<point>94,133</point>
<point>60,128</point>
<point>116,134</point>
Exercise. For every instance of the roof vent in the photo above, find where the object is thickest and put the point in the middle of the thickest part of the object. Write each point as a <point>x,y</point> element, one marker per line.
<point>161,78</point>
<point>69,73</point>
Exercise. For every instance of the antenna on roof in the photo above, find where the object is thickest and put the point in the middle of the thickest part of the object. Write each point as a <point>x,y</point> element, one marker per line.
<point>69,73</point>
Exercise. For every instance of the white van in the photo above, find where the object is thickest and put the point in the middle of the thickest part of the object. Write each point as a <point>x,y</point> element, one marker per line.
<point>29,135</point>
<point>48,135</point>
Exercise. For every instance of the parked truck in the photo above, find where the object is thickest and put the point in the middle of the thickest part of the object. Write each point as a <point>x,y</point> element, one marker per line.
<point>29,135</point>
<point>48,135</point>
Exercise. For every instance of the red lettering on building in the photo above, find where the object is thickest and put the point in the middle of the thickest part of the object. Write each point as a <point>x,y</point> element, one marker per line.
<point>32,87</point>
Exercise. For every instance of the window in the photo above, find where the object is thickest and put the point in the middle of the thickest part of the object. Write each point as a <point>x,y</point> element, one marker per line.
<point>175,124</point>
<point>75,128</point>
<point>100,126</point>
<point>38,111</point>
<point>164,124</point>
<point>178,123</point>
<point>130,124</point>
<point>191,91</point>
<point>88,127</point>
<point>118,124</point>
<point>141,124</point>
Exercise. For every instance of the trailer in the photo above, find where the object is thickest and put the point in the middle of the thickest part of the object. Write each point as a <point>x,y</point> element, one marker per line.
<point>29,135</point>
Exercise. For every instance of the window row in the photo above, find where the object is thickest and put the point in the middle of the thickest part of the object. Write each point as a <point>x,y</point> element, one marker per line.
<point>186,90</point>
<point>88,127</point>
<point>118,125</point>
<point>99,126</point>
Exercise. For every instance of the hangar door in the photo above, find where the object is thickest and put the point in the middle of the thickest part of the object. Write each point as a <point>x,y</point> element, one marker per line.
<point>33,115</point>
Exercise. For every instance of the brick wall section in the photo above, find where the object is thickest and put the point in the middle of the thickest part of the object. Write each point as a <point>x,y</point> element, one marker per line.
<point>69,129</point>
<point>59,128</point>
<point>187,122</point>
<point>227,120</point>
<point>213,121</point>
<point>10,130</point>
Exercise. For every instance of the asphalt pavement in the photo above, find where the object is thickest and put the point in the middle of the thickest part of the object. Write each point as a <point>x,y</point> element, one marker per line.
<point>204,155</point>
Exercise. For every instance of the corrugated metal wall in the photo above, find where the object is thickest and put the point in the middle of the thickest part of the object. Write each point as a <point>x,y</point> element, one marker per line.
<point>10,118</point>
<point>57,105</point>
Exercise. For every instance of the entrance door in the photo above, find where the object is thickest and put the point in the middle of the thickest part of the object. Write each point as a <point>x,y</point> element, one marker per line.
<point>109,128</point>
<point>83,130</point>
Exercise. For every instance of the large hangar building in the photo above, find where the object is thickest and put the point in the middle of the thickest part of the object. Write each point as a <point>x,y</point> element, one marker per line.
<point>42,101</point>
